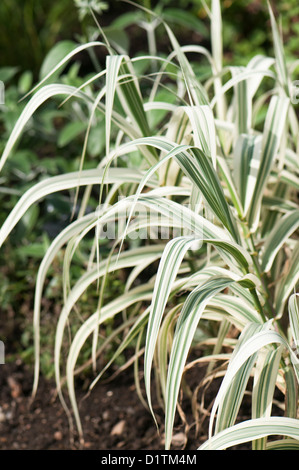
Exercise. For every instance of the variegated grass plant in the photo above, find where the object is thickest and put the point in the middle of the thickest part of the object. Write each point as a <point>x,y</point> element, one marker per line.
<point>218,167</point>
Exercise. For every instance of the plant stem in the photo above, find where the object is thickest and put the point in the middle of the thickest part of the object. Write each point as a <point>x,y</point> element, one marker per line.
<point>261,276</point>
<point>254,255</point>
<point>258,304</point>
<point>148,6</point>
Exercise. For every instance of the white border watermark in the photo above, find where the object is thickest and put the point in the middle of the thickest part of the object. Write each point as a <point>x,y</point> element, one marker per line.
<point>2,353</point>
<point>143,222</point>
<point>295,92</point>
<point>2,92</point>
<point>295,350</point>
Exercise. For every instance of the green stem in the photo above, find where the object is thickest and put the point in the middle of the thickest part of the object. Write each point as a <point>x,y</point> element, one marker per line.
<point>258,304</point>
<point>263,280</point>
<point>268,304</point>
<point>148,6</point>
<point>258,271</point>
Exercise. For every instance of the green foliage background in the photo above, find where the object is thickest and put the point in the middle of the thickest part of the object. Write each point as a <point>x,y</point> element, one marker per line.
<point>29,31</point>
<point>54,137</point>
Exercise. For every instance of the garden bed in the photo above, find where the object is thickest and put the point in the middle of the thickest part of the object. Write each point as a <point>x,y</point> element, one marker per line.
<point>113,417</point>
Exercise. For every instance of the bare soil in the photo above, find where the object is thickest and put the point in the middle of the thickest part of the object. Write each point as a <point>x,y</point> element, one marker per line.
<point>113,416</point>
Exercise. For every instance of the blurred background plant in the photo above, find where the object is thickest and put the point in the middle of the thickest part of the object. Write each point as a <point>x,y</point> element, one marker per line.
<point>46,32</point>
<point>53,132</point>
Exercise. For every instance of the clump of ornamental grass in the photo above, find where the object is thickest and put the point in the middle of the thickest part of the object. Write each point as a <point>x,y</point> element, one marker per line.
<point>214,165</point>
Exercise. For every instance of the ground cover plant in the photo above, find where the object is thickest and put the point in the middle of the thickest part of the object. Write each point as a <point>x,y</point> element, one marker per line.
<point>200,178</point>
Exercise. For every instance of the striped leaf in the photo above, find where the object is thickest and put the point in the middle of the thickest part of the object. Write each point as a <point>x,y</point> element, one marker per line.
<point>283,229</point>
<point>294,321</point>
<point>168,269</point>
<point>62,183</point>
<point>263,388</point>
<point>209,184</point>
<point>131,99</point>
<point>201,172</point>
<point>249,348</point>
<point>273,130</point>
<point>242,104</point>
<point>280,59</point>
<point>248,431</point>
<point>231,401</point>
<point>37,100</point>
<point>113,64</point>
<point>196,92</point>
<point>247,155</point>
<point>204,135</point>
<point>217,53</point>
<point>283,444</point>
<point>142,293</point>
<point>164,342</point>
<point>291,394</point>
<point>289,280</point>
<point>185,330</point>
<point>244,74</point>
<point>70,231</point>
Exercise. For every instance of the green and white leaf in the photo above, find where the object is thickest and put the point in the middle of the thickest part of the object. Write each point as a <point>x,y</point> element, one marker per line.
<point>248,431</point>
<point>272,135</point>
<point>280,233</point>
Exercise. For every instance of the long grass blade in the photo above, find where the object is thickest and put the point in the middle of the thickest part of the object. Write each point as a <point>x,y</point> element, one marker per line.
<point>230,404</point>
<point>289,280</point>
<point>280,58</point>
<point>250,347</point>
<point>62,183</point>
<point>37,100</point>
<point>294,320</point>
<point>248,431</point>
<point>273,130</point>
<point>283,229</point>
<point>185,329</point>
<point>168,269</point>
<point>263,389</point>
<point>247,154</point>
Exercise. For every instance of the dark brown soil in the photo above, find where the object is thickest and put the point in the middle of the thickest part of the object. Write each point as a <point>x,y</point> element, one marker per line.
<point>113,416</point>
